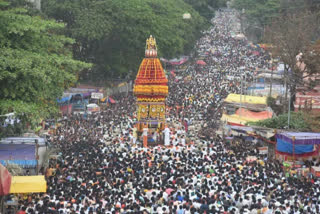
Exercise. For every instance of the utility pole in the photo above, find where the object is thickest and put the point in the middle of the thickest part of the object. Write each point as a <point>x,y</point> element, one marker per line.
<point>245,86</point>
<point>240,97</point>
<point>271,79</point>
<point>289,110</point>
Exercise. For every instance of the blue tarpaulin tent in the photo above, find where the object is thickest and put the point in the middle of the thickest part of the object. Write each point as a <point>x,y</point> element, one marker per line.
<point>297,142</point>
<point>64,99</point>
<point>21,154</point>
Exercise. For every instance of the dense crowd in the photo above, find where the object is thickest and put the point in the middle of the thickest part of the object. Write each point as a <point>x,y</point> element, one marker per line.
<point>200,89</point>
<point>102,170</point>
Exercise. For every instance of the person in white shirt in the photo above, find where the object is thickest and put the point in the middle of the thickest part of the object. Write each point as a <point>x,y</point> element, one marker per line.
<point>166,132</point>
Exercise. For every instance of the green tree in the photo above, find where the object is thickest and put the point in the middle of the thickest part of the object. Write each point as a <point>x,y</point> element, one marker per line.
<point>206,7</point>
<point>299,121</point>
<point>36,64</point>
<point>257,13</point>
<point>111,33</point>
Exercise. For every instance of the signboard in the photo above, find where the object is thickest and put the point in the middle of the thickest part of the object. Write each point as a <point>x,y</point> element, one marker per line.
<point>263,150</point>
<point>315,171</point>
<point>96,95</point>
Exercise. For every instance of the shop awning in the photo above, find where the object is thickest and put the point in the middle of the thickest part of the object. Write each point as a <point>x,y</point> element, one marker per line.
<point>236,98</point>
<point>242,128</point>
<point>28,184</point>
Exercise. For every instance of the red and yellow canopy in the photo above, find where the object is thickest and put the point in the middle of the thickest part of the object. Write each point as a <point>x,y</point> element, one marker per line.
<point>151,82</point>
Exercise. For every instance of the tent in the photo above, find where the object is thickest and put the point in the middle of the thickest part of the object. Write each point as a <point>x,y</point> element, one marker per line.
<point>30,139</point>
<point>235,98</point>
<point>5,181</point>
<point>238,120</point>
<point>103,99</point>
<point>28,184</point>
<point>108,100</point>
<point>242,116</point>
<point>21,154</point>
<point>243,129</point>
<point>201,62</point>
<point>176,61</point>
<point>234,119</point>
<point>297,143</point>
<point>254,115</point>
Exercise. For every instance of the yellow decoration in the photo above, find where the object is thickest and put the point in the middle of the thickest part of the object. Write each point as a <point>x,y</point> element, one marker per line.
<point>153,111</point>
<point>142,111</point>
<point>151,99</point>
<point>162,111</point>
<point>150,89</point>
<point>151,43</point>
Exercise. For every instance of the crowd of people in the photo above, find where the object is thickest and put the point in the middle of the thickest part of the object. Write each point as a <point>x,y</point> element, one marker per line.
<point>200,89</point>
<point>102,170</point>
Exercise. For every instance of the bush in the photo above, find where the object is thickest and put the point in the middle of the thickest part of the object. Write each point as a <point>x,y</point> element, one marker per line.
<point>298,121</point>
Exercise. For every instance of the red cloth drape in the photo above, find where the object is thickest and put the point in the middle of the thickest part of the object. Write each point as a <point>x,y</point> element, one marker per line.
<point>5,181</point>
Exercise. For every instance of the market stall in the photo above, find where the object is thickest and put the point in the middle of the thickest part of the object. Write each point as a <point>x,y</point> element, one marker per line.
<point>297,145</point>
<point>28,184</point>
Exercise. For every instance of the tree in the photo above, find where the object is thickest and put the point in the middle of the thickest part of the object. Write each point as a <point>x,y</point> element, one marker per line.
<point>291,36</point>
<point>36,64</point>
<point>206,7</point>
<point>294,6</point>
<point>312,62</point>
<point>111,34</point>
<point>300,121</point>
<point>258,13</point>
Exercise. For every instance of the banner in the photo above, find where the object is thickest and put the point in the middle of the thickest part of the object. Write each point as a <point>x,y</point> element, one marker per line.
<point>96,95</point>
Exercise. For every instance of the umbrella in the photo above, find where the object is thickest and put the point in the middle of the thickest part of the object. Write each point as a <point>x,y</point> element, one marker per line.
<point>110,100</point>
<point>201,62</point>
<point>5,181</point>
